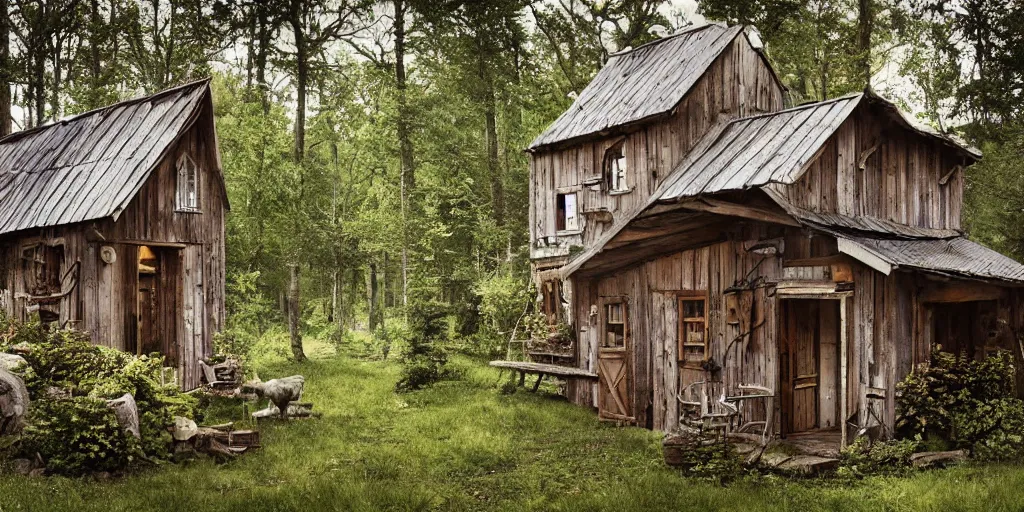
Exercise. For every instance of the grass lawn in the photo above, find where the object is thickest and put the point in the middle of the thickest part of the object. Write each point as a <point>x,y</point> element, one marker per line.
<point>464,446</point>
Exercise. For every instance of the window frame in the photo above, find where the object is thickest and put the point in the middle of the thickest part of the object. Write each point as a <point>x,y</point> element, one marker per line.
<point>683,321</point>
<point>561,213</point>
<point>615,168</point>
<point>606,304</point>
<point>183,188</point>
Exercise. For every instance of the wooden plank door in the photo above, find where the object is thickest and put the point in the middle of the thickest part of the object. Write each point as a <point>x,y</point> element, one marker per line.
<point>798,360</point>
<point>613,363</point>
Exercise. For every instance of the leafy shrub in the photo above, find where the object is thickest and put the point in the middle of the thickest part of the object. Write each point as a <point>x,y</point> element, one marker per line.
<point>249,315</point>
<point>65,364</point>
<point>711,458</point>
<point>864,458</point>
<point>78,434</point>
<point>504,297</point>
<point>424,361</point>
<point>966,403</point>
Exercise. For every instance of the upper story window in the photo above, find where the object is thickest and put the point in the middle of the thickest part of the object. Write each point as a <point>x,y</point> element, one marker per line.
<point>188,184</point>
<point>568,218</point>
<point>615,168</point>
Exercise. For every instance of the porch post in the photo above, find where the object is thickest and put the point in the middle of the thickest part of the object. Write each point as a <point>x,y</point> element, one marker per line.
<point>842,372</point>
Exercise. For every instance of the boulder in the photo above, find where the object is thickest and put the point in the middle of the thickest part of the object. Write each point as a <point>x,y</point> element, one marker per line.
<point>127,413</point>
<point>937,459</point>
<point>14,403</point>
<point>10,362</point>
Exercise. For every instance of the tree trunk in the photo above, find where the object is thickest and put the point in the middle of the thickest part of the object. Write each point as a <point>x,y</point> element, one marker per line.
<point>865,22</point>
<point>5,70</point>
<point>301,79</point>
<point>493,165</point>
<point>408,174</point>
<point>294,312</point>
<point>374,315</point>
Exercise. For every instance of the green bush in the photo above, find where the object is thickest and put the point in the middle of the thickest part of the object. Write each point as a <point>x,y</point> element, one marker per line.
<point>425,360</point>
<point>966,403</point>
<point>76,435</point>
<point>711,458</point>
<point>863,458</point>
<point>65,364</point>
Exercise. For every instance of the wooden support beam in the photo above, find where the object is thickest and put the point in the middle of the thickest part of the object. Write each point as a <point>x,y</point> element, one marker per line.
<point>961,291</point>
<point>843,343</point>
<point>727,208</point>
<point>536,385</point>
<point>173,245</point>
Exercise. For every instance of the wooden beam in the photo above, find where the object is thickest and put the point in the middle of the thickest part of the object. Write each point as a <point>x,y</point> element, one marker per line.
<point>961,292</point>
<point>720,207</point>
<point>863,255</point>
<point>174,245</point>
<point>843,413</point>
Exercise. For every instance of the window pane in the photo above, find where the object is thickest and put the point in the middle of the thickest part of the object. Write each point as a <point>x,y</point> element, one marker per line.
<point>571,219</point>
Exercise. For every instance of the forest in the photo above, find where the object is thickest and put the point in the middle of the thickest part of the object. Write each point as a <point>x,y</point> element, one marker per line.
<point>378,147</point>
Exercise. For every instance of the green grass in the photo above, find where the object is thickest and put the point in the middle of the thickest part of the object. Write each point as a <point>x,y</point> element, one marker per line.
<point>464,446</point>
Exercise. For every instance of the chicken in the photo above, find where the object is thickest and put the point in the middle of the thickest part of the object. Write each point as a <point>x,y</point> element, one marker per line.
<point>281,391</point>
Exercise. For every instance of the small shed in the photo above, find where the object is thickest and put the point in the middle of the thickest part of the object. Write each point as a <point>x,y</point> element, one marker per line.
<point>112,222</point>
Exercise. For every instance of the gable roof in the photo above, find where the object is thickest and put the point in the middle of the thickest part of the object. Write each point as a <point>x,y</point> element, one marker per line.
<point>774,148</point>
<point>90,166</point>
<point>951,257</point>
<point>647,81</point>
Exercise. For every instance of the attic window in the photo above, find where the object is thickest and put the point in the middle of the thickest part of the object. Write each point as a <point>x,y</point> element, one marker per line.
<point>615,168</point>
<point>188,184</point>
<point>567,213</point>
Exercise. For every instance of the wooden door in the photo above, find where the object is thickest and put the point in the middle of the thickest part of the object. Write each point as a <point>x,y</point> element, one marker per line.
<point>613,363</point>
<point>798,361</point>
<point>149,332</point>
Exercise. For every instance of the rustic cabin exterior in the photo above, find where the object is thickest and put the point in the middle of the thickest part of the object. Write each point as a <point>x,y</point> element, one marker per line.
<point>775,269</point>
<point>112,222</point>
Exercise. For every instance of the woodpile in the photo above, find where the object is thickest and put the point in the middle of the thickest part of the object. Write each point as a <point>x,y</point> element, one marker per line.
<point>219,441</point>
<point>222,376</point>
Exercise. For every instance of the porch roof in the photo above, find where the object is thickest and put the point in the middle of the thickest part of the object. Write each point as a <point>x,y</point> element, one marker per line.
<point>956,257</point>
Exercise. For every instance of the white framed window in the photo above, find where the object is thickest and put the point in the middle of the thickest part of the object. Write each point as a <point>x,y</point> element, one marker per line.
<point>567,213</point>
<point>615,168</point>
<point>188,184</point>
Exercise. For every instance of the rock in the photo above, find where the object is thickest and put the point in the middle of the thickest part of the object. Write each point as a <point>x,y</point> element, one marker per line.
<point>22,466</point>
<point>808,465</point>
<point>774,459</point>
<point>11,362</point>
<point>14,403</point>
<point>937,459</point>
<point>38,472</point>
<point>184,429</point>
<point>127,413</point>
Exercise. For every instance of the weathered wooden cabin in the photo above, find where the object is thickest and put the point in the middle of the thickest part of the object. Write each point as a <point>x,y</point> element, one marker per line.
<point>713,251</point>
<point>112,222</point>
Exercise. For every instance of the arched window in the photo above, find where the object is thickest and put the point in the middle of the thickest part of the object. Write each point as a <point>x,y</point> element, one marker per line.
<point>188,184</point>
<point>615,168</point>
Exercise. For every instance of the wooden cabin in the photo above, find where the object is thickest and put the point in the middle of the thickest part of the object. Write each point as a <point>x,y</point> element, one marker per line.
<point>713,251</point>
<point>112,222</point>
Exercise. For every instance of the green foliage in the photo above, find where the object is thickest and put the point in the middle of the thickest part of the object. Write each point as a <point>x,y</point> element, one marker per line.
<point>969,404</point>
<point>76,435</point>
<point>863,458</point>
<point>425,359</point>
<point>711,457</point>
<point>65,363</point>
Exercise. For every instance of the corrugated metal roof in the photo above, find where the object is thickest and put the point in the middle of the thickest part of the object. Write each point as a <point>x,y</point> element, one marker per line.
<point>90,166</point>
<point>647,81</point>
<point>955,256</point>
<point>859,224</point>
<point>755,151</point>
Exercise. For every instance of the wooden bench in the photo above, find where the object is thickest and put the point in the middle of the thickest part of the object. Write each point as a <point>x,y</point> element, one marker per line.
<point>542,370</point>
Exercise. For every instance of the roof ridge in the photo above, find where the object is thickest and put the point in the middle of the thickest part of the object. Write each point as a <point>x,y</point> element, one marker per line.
<point>682,32</point>
<point>800,107</point>
<point>130,101</point>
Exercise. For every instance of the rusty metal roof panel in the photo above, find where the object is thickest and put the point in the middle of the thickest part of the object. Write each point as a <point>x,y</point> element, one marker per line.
<point>90,166</point>
<point>641,83</point>
<point>954,256</point>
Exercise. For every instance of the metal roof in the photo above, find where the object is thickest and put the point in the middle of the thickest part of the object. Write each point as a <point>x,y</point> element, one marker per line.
<point>758,150</point>
<point>955,256</point>
<point>774,148</point>
<point>90,166</point>
<point>644,82</point>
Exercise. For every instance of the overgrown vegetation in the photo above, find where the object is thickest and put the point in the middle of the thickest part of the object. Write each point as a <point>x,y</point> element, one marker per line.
<point>69,381</point>
<point>863,458</point>
<point>958,402</point>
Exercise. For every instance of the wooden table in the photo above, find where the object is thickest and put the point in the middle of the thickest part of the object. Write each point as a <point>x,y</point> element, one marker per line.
<point>542,370</point>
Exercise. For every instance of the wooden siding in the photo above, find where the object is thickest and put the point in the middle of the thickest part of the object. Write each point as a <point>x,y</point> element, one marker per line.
<point>900,181</point>
<point>737,84</point>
